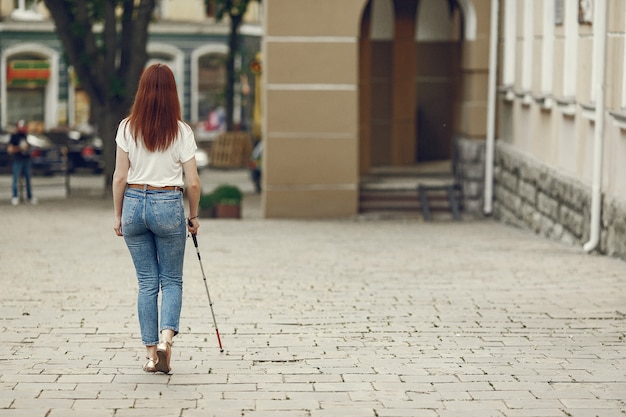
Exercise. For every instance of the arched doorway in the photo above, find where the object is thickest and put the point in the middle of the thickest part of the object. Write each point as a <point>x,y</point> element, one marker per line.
<point>410,80</point>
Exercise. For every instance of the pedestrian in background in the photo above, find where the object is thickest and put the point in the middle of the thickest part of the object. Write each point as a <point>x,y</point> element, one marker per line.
<point>154,148</point>
<point>19,149</point>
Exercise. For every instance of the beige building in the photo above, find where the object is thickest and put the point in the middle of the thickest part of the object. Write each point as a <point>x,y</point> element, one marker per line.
<point>561,150</point>
<point>533,120</point>
<point>356,84</point>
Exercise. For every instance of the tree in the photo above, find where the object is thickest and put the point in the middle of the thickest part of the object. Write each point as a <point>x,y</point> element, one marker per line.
<point>108,62</point>
<point>234,9</point>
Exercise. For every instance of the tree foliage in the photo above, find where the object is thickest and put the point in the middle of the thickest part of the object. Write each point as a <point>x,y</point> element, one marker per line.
<point>105,41</point>
<point>234,10</point>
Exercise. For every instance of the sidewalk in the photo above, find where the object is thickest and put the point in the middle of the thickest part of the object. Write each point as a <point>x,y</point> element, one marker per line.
<point>92,186</point>
<point>336,318</point>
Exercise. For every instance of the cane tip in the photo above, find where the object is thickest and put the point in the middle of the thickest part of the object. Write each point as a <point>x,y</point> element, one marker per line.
<point>221,350</point>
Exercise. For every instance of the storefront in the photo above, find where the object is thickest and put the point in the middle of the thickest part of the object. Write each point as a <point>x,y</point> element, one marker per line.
<point>43,90</point>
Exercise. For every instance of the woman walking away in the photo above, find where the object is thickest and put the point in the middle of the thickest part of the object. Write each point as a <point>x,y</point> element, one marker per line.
<point>154,148</point>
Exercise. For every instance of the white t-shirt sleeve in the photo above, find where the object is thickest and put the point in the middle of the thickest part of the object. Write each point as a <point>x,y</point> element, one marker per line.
<point>121,138</point>
<point>188,144</point>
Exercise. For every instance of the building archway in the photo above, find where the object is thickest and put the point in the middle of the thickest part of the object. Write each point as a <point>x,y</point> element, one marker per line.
<point>43,92</point>
<point>208,77</point>
<point>410,79</point>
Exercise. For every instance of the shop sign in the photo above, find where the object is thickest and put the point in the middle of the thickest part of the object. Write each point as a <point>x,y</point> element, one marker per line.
<point>28,73</point>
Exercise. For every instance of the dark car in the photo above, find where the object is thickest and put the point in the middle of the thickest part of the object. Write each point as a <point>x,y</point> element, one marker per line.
<point>47,157</point>
<point>84,151</point>
<point>5,158</point>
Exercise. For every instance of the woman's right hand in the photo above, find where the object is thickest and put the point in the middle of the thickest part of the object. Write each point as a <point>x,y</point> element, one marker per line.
<point>193,225</point>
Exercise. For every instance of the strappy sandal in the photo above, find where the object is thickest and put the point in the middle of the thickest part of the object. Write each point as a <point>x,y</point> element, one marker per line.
<point>150,365</point>
<point>164,354</point>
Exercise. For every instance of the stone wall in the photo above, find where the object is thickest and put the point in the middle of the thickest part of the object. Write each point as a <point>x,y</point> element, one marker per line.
<point>531,195</point>
<point>613,237</point>
<point>469,172</point>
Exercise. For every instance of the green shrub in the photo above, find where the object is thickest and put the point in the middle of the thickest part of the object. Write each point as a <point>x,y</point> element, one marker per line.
<point>227,194</point>
<point>207,201</point>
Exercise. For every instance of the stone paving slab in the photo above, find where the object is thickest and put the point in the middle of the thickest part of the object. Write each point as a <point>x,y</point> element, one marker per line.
<point>352,317</point>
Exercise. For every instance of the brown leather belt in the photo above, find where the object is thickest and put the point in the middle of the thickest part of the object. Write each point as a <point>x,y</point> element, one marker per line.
<point>150,187</point>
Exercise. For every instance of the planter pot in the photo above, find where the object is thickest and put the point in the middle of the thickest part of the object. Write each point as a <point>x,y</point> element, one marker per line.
<point>207,213</point>
<point>228,211</point>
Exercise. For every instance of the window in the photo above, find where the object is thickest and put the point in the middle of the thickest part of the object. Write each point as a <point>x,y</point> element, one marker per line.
<point>558,12</point>
<point>25,4</point>
<point>527,47</point>
<point>211,84</point>
<point>585,11</point>
<point>570,63</point>
<point>508,72</point>
<point>624,76</point>
<point>210,9</point>
<point>596,65</point>
<point>547,51</point>
<point>26,10</point>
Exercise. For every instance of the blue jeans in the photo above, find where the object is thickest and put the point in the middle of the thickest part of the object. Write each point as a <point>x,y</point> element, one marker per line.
<point>153,224</point>
<point>22,167</point>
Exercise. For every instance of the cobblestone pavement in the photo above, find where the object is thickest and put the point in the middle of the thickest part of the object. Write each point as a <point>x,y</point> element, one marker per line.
<point>353,317</point>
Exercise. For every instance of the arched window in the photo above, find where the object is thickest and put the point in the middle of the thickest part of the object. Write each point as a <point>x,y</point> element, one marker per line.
<point>30,87</point>
<point>208,80</point>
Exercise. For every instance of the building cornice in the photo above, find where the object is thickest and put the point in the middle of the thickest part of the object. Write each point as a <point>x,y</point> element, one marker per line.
<point>207,27</point>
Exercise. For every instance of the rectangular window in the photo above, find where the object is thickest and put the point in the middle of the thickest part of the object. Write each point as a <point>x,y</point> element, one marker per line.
<point>597,53</point>
<point>527,47</point>
<point>547,51</point>
<point>210,8</point>
<point>570,62</point>
<point>510,43</point>
<point>586,11</point>
<point>24,4</point>
<point>624,74</point>
<point>558,12</point>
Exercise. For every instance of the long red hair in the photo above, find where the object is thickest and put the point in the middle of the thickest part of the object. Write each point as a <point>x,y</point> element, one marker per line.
<point>156,110</point>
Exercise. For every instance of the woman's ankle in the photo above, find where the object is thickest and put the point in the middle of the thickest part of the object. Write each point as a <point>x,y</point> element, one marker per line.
<point>167,336</point>
<point>151,352</point>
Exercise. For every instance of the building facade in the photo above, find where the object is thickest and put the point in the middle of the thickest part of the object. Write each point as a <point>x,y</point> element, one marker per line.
<point>359,84</point>
<point>38,86</point>
<point>560,158</point>
<point>519,94</point>
<point>527,98</point>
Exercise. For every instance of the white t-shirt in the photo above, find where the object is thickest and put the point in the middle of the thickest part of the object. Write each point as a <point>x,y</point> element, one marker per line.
<point>162,168</point>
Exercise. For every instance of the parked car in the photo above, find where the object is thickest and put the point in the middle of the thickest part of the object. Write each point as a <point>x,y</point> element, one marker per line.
<point>5,158</point>
<point>47,157</point>
<point>84,151</point>
<point>255,166</point>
